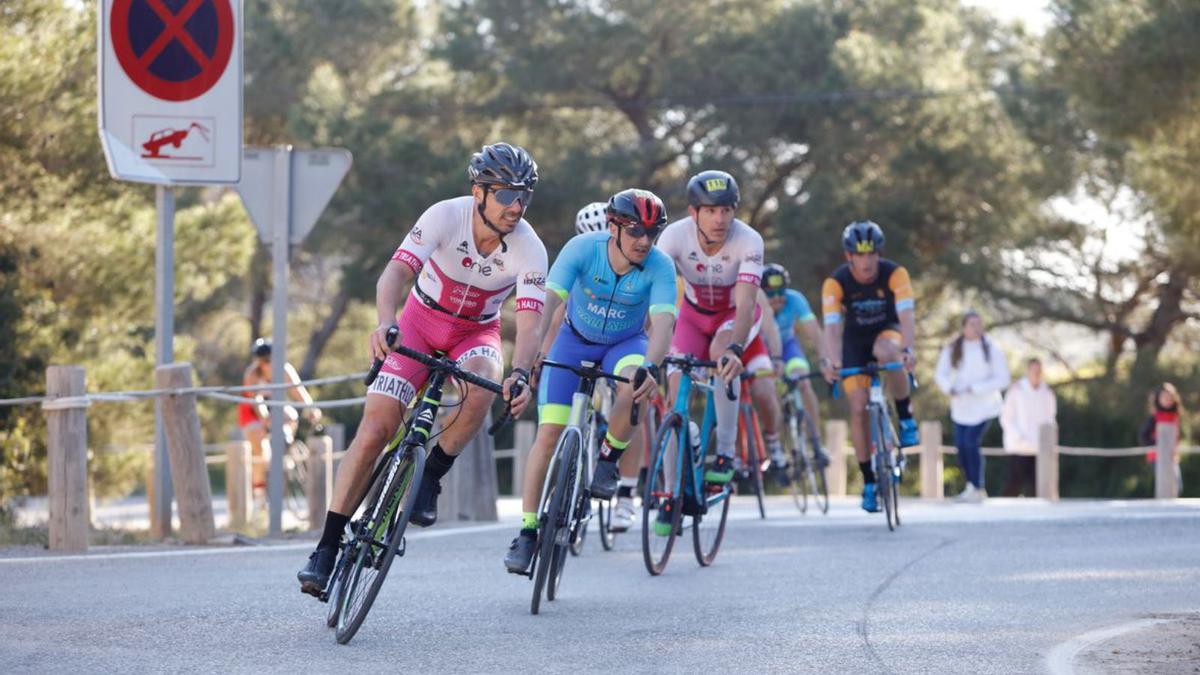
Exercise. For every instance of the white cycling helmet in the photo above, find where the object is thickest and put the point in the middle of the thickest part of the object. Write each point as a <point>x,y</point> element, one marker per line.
<point>591,218</point>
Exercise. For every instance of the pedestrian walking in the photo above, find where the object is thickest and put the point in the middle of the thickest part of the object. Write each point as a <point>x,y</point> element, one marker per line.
<point>972,370</point>
<point>1165,408</point>
<point>1028,405</point>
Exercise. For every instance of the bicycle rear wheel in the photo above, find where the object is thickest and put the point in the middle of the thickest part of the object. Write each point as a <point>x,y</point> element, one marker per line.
<point>378,538</point>
<point>295,471</point>
<point>662,491</point>
<point>799,469</point>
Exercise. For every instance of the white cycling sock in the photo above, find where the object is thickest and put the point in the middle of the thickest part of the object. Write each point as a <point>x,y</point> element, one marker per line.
<point>727,417</point>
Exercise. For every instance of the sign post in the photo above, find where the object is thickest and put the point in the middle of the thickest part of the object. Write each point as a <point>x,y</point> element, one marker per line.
<point>170,114</point>
<point>285,191</point>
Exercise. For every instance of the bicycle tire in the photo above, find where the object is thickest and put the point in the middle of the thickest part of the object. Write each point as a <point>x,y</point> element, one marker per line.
<point>337,583</point>
<point>706,539</point>
<point>821,496</point>
<point>295,473</point>
<point>400,489</point>
<point>656,494</point>
<point>608,538</point>
<point>548,529</point>
<point>574,520</point>
<point>883,474</point>
<point>754,455</point>
<point>578,539</point>
<point>799,469</point>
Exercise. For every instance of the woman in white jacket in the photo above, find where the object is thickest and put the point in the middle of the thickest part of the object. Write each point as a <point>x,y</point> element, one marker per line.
<point>973,371</point>
<point>1028,405</point>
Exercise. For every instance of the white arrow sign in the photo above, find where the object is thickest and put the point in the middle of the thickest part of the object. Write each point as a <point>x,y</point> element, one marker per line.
<point>309,178</point>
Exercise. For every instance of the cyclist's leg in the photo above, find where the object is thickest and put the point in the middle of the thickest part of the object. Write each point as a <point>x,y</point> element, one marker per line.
<point>623,359</point>
<point>256,435</point>
<point>857,391</point>
<point>475,349</point>
<point>726,409</point>
<point>887,349</point>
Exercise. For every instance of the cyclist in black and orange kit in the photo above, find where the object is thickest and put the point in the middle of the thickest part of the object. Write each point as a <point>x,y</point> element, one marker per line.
<point>869,316</point>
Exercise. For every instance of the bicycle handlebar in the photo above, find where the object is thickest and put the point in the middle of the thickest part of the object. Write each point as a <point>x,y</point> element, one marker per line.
<point>689,363</point>
<point>447,366</point>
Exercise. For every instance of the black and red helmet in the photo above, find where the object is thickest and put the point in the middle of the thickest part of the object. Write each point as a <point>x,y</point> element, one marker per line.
<point>636,207</point>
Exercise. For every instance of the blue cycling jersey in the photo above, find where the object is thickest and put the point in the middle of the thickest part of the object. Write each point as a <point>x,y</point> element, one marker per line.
<point>602,306</point>
<point>795,308</point>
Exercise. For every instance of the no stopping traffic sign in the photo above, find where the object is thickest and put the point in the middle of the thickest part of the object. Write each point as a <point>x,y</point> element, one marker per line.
<point>174,50</point>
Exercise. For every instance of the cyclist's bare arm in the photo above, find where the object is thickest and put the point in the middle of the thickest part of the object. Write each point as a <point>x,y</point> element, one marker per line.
<point>770,331</point>
<point>745,297</point>
<point>662,326</point>
<point>833,346</point>
<point>908,333</point>
<point>812,328</point>
<point>389,293</point>
<point>552,318</point>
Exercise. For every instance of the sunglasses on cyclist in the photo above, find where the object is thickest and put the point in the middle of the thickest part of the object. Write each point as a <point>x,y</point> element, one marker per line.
<point>639,231</point>
<point>506,196</point>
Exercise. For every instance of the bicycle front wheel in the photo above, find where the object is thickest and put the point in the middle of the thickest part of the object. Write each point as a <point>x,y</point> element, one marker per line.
<point>661,499</point>
<point>554,528</point>
<point>378,537</point>
<point>604,517</point>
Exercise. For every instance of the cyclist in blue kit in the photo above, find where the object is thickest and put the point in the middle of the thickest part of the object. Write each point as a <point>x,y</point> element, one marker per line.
<point>612,281</point>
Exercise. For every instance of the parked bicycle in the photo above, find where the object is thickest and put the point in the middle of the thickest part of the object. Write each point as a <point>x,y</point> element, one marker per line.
<point>376,537</point>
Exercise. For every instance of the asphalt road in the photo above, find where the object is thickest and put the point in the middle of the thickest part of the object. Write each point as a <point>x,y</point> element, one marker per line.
<point>959,588</point>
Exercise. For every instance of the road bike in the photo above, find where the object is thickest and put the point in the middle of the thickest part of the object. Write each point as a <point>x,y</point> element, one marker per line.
<point>674,481</point>
<point>374,539</point>
<point>565,505</point>
<point>887,458</point>
<point>807,478</point>
<point>751,446</point>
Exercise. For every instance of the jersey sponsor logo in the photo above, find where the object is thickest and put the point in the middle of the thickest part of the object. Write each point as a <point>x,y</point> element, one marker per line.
<point>486,351</point>
<point>692,256</point>
<point>748,278</point>
<point>498,263</point>
<point>600,280</point>
<point>479,267</point>
<point>715,268</point>
<point>392,385</point>
<point>754,258</point>
<point>714,184</point>
<point>534,279</point>
<point>529,304</point>
<point>610,312</point>
<point>408,259</point>
<point>462,247</point>
<point>725,257</point>
<point>416,235</point>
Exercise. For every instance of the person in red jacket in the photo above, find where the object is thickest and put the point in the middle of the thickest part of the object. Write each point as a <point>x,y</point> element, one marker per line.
<point>1165,408</point>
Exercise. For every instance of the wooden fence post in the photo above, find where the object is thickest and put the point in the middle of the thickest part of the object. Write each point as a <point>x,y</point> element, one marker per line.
<point>67,461</point>
<point>524,433</point>
<point>836,434</point>
<point>189,474</point>
<point>932,486</point>
<point>237,482</point>
<point>1165,484</point>
<point>1047,462</point>
<point>319,488</point>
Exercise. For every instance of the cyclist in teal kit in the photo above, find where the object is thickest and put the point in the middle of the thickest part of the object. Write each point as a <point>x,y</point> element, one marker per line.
<point>612,281</point>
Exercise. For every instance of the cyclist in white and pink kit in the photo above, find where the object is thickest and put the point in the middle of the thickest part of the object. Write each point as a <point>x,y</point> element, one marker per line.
<point>720,259</point>
<point>466,256</point>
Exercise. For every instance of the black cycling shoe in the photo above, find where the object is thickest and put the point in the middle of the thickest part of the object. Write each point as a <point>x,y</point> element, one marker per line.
<point>425,508</point>
<point>315,574</point>
<point>780,474</point>
<point>605,480</point>
<point>520,553</point>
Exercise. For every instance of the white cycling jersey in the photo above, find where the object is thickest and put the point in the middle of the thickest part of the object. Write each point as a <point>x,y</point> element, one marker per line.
<point>709,280</point>
<point>453,276</point>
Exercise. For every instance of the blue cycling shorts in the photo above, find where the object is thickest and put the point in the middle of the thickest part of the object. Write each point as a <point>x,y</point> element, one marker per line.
<point>558,386</point>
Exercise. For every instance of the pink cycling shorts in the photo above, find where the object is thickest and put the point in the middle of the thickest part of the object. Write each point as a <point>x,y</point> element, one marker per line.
<point>426,330</point>
<point>694,330</point>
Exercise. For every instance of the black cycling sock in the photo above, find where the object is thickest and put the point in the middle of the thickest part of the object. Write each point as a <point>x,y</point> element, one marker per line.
<point>624,492</point>
<point>527,532</point>
<point>334,524</point>
<point>867,472</point>
<point>903,408</point>
<point>438,462</point>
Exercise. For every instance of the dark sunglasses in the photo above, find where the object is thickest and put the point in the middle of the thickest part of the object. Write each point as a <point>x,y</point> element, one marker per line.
<point>506,196</point>
<point>639,231</point>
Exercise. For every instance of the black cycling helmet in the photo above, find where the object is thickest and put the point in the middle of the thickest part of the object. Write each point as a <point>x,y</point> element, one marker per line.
<point>775,278</point>
<point>862,236</point>
<point>713,188</point>
<point>261,348</point>
<point>636,207</point>
<point>503,164</point>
